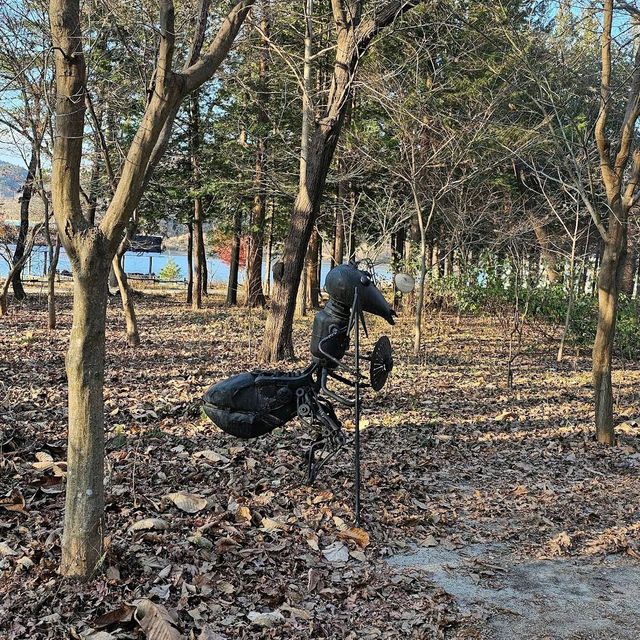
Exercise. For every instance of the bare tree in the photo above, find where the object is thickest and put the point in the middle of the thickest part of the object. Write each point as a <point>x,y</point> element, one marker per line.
<point>354,34</point>
<point>92,247</point>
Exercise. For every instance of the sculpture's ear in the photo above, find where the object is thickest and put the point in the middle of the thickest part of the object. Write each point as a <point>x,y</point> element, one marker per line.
<point>278,270</point>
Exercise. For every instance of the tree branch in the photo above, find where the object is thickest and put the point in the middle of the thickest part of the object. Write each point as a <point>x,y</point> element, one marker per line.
<point>202,70</point>
<point>605,96</point>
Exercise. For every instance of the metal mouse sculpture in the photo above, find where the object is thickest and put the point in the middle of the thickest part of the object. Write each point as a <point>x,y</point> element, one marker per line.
<point>252,404</point>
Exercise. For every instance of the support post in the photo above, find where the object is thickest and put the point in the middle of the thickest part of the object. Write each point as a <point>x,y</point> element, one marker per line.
<point>357,314</point>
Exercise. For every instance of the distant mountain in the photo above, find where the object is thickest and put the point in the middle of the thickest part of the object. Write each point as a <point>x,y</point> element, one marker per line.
<point>11,179</point>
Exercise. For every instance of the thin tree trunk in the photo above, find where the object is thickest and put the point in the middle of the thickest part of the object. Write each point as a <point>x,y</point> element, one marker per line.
<point>51,284</point>
<point>16,267</point>
<point>25,201</point>
<point>352,44</point>
<point>133,337</point>
<point>313,281</point>
<point>423,226</point>
<point>629,263</point>
<point>198,240</point>
<point>197,250</point>
<point>232,288</point>
<point>603,346</point>
<point>190,264</point>
<point>549,257</point>
<point>572,262</point>
<point>267,274</point>
<point>301,300</point>
<point>255,295</point>
<point>338,238</point>
<point>203,264</point>
<point>82,541</point>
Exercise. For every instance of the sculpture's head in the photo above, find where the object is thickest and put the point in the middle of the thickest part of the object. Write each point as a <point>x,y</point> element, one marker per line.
<point>341,284</point>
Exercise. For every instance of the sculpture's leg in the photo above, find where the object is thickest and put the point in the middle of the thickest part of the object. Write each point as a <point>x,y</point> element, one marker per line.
<point>312,465</point>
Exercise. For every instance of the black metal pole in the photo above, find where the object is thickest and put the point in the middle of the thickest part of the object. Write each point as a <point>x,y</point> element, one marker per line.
<point>356,304</point>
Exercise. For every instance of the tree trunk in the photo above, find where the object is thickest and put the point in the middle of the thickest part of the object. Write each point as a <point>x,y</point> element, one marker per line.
<point>25,201</point>
<point>338,238</point>
<point>190,264</point>
<point>54,254</point>
<point>423,227</point>
<point>313,281</point>
<point>133,337</point>
<point>572,269</point>
<point>352,43</point>
<point>4,291</point>
<point>232,288</point>
<point>197,251</point>
<point>255,295</point>
<point>203,264</point>
<point>603,346</point>
<point>84,505</point>
<point>267,269</point>
<point>549,257</point>
<point>301,299</point>
<point>629,263</point>
<point>397,248</point>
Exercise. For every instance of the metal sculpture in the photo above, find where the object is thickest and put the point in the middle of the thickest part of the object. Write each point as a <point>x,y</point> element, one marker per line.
<point>252,404</point>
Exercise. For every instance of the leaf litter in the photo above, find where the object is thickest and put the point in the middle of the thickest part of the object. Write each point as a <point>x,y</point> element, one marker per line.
<point>450,459</point>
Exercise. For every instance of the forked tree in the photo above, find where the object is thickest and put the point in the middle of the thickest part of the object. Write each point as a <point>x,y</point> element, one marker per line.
<point>354,33</point>
<point>620,172</point>
<point>92,246</point>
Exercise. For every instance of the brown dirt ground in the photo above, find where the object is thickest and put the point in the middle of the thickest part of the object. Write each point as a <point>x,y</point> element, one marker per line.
<point>451,460</point>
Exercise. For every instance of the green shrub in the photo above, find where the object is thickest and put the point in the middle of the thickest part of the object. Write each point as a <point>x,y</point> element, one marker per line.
<point>482,292</point>
<point>171,271</point>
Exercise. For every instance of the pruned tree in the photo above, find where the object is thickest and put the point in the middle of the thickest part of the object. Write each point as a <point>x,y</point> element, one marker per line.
<point>91,247</point>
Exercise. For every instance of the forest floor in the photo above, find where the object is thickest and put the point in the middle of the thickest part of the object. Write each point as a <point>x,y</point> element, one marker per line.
<point>488,513</point>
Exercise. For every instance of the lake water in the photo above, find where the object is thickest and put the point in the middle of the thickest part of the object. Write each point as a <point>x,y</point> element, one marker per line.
<point>153,263</point>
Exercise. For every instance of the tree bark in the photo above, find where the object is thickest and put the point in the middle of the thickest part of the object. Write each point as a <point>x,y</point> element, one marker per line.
<point>255,295</point>
<point>16,267</point>
<point>234,267</point>
<point>190,264</point>
<point>25,201</point>
<point>548,256</point>
<point>92,248</point>
<point>131,322</point>
<point>198,240</point>
<point>197,250</point>
<point>338,237</point>
<point>82,540</point>
<point>603,346</point>
<point>313,281</point>
<point>629,263</point>
<point>54,255</point>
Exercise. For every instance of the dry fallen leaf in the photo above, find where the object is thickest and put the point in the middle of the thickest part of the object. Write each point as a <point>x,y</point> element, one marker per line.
<point>312,541</point>
<point>268,524</point>
<point>211,456</point>
<point>225,587</point>
<point>187,502</point>
<point>243,514</point>
<point>313,577</point>
<point>121,614</point>
<point>149,523</point>
<point>359,536</point>
<point>15,502</point>
<point>303,614</point>
<point>323,496</point>
<point>155,621</point>
<point>336,552</point>
<point>266,619</point>
<point>6,550</point>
